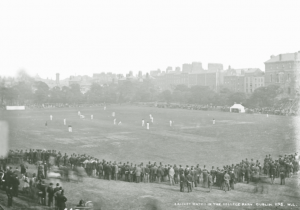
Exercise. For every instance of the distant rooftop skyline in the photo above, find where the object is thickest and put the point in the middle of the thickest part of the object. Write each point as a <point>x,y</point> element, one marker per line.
<point>75,37</point>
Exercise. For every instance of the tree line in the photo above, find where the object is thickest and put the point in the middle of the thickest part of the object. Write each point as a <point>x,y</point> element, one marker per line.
<point>27,91</point>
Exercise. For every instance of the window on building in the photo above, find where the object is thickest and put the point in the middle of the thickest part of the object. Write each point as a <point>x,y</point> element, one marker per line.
<point>289,90</point>
<point>271,78</point>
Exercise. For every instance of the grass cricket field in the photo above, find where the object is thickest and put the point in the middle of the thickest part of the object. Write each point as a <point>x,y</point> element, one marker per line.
<point>192,140</point>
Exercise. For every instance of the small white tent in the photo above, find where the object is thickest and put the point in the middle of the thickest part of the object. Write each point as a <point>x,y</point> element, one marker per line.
<point>237,108</point>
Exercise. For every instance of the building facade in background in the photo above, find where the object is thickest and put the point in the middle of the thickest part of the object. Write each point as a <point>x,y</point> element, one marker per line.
<point>283,70</point>
<point>254,78</point>
<point>104,78</point>
<point>243,80</point>
<point>191,75</point>
<point>85,82</point>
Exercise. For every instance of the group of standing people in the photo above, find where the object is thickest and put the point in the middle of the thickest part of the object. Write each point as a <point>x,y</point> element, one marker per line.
<point>245,171</point>
<point>33,187</point>
<point>188,177</point>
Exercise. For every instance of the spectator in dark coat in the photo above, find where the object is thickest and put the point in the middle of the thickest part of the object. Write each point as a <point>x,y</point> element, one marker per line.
<point>205,179</point>
<point>61,200</point>
<point>282,175</point>
<point>9,193</point>
<point>56,189</point>
<point>23,168</point>
<point>108,171</point>
<point>15,184</point>
<point>210,181</point>
<point>189,180</point>
<point>232,180</point>
<point>45,169</point>
<point>248,174</point>
<point>182,181</point>
<point>50,192</point>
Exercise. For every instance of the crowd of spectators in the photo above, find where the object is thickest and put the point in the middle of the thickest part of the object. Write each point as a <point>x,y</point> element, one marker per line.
<point>287,108</point>
<point>276,110</point>
<point>62,105</point>
<point>189,176</point>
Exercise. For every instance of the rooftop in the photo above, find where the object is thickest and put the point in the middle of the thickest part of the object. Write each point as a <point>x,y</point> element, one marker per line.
<point>284,57</point>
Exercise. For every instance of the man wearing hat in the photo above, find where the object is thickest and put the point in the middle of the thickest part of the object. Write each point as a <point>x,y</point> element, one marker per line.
<point>189,180</point>
<point>138,172</point>
<point>171,175</point>
<point>226,181</point>
<point>55,193</point>
<point>213,174</point>
<point>50,192</point>
<point>232,179</point>
<point>282,175</point>
<point>176,176</point>
<point>127,167</point>
<point>160,173</point>
<point>9,193</point>
<point>146,174</point>
<point>210,181</point>
<point>198,174</point>
<point>182,181</point>
<point>204,172</point>
<point>222,181</point>
<point>116,170</point>
<point>186,170</point>
<point>15,184</point>
<point>45,169</point>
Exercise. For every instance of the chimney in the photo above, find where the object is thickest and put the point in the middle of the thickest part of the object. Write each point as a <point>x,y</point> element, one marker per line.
<point>272,56</point>
<point>57,78</point>
<point>280,57</point>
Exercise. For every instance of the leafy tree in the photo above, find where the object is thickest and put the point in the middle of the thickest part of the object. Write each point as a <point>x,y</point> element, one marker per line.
<point>264,96</point>
<point>201,95</point>
<point>111,93</point>
<point>95,94</point>
<point>3,92</point>
<point>127,90</point>
<point>222,98</point>
<point>75,94</point>
<point>166,96</point>
<point>56,95</point>
<point>182,88</point>
<point>145,91</point>
<point>42,92</point>
<point>238,97</point>
<point>23,91</point>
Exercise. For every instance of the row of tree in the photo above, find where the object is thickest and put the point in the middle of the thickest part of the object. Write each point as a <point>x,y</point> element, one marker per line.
<point>27,90</point>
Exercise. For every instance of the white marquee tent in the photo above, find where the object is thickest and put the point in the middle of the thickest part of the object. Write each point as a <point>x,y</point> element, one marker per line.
<point>237,108</point>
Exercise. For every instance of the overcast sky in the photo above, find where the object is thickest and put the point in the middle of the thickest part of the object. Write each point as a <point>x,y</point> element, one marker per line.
<point>86,37</point>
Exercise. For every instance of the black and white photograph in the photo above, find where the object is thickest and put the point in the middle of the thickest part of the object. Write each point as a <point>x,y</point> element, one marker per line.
<point>149,105</point>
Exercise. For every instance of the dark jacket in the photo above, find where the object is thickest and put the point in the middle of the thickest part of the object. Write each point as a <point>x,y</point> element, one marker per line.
<point>50,192</point>
<point>61,201</point>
